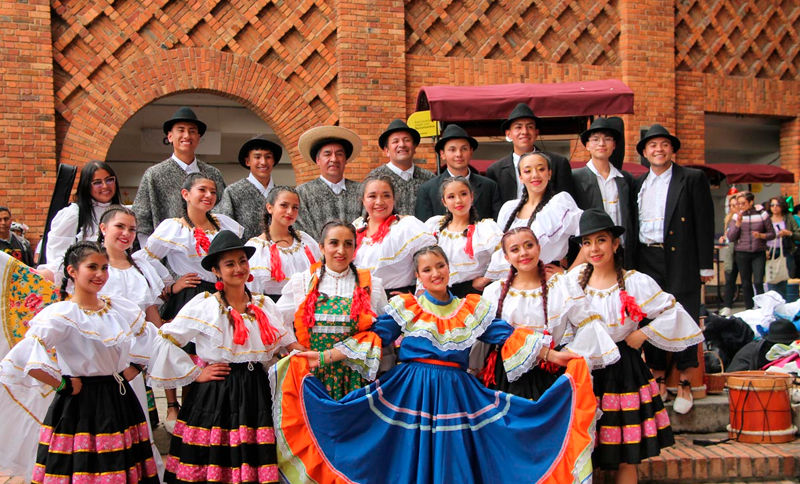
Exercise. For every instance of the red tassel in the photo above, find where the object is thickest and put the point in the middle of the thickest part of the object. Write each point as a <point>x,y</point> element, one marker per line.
<point>629,305</point>
<point>275,269</point>
<point>468,247</point>
<point>268,333</point>
<point>240,332</point>
<point>219,285</point>
<point>310,255</point>
<point>310,307</point>
<point>487,374</point>
<point>201,241</point>
<point>383,231</point>
<point>361,303</point>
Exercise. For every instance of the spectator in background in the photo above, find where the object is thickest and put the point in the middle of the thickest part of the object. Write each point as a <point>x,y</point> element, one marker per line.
<point>19,229</point>
<point>10,243</point>
<point>787,233</point>
<point>750,229</point>
<point>728,259</point>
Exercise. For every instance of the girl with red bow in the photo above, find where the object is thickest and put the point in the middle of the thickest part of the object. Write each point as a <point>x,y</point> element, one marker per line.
<point>331,301</point>
<point>224,431</point>
<point>634,425</point>
<point>468,242</point>
<point>281,250</point>
<point>386,241</point>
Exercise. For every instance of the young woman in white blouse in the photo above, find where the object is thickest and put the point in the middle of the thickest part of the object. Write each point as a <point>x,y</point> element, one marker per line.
<point>281,250</point>
<point>97,189</point>
<point>386,241</point>
<point>553,217</point>
<point>468,242</point>
<point>634,425</point>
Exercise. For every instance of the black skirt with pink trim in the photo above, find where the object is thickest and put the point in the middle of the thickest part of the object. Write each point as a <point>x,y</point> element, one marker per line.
<point>635,424</point>
<point>224,431</point>
<point>98,436</point>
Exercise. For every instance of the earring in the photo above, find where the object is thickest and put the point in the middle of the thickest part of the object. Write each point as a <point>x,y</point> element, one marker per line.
<point>219,285</point>
<point>250,278</point>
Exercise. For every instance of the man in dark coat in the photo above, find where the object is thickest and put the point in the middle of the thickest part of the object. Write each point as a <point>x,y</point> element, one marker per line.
<point>753,356</point>
<point>522,128</point>
<point>676,240</point>
<point>456,148</point>
<point>601,185</point>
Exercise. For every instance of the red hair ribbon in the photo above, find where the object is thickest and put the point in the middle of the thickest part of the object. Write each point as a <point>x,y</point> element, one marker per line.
<point>201,241</point>
<point>487,374</point>
<point>383,231</point>
<point>311,305</point>
<point>468,247</point>
<point>275,266</point>
<point>361,303</point>
<point>240,332</point>
<point>269,335</point>
<point>629,305</point>
<point>310,256</point>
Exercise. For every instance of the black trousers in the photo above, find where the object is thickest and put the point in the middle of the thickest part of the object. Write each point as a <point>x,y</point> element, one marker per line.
<point>752,266</point>
<point>652,261</point>
<point>730,284</point>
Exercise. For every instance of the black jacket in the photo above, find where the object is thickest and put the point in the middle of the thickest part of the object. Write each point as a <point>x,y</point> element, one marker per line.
<point>503,173</point>
<point>487,197</point>
<point>587,195</point>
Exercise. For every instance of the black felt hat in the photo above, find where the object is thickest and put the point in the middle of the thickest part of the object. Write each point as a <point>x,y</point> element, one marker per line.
<point>594,220</point>
<point>395,126</point>
<point>521,111</point>
<point>658,131</point>
<point>601,124</point>
<point>224,241</point>
<point>454,131</point>
<point>783,332</point>
<point>259,142</point>
<point>184,114</point>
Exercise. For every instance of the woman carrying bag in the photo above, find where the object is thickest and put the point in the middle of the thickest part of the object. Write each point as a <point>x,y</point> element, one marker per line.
<point>750,229</point>
<point>780,260</point>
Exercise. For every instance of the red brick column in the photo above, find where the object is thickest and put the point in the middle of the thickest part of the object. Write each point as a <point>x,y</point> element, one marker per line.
<point>372,73</point>
<point>27,122</point>
<point>647,50</point>
<point>790,155</point>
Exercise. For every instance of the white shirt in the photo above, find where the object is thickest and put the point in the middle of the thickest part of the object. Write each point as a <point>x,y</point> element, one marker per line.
<point>520,186</point>
<point>190,168</point>
<point>404,174</point>
<point>651,214</point>
<point>453,176</point>
<point>337,187</point>
<point>264,190</point>
<point>609,191</point>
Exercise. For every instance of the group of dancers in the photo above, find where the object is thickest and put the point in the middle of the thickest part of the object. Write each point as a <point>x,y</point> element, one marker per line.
<point>391,350</point>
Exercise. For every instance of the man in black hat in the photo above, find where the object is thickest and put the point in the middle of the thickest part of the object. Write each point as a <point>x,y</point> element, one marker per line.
<point>331,196</point>
<point>676,235</point>
<point>753,355</point>
<point>456,148</point>
<point>601,185</point>
<point>245,200</point>
<point>159,195</point>
<point>522,128</point>
<point>399,143</point>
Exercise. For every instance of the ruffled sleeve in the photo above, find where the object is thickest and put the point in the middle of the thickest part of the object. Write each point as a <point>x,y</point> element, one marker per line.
<point>161,271</point>
<point>227,223</point>
<point>170,366</point>
<point>34,352</point>
<point>63,231</point>
<point>555,224</point>
<point>586,334</point>
<point>671,327</point>
<point>292,295</point>
<point>363,350</point>
<point>505,212</point>
<point>521,346</point>
<point>169,236</point>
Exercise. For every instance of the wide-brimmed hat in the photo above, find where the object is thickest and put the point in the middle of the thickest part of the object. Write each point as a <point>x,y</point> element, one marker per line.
<point>601,124</point>
<point>314,139</point>
<point>259,142</point>
<point>521,111</point>
<point>783,332</point>
<point>395,126</point>
<point>184,114</point>
<point>224,241</point>
<point>454,131</point>
<point>594,220</point>
<point>658,131</point>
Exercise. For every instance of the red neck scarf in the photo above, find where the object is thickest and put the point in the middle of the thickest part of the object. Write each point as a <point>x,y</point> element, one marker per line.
<point>276,266</point>
<point>201,241</point>
<point>468,247</point>
<point>629,305</point>
<point>383,231</point>
<point>269,335</point>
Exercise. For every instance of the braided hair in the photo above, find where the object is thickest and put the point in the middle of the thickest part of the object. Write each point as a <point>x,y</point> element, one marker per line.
<point>548,193</point>
<point>512,274</point>
<point>188,183</point>
<point>83,194</point>
<point>106,219</point>
<point>372,178</point>
<point>272,197</point>
<point>74,255</point>
<point>448,216</point>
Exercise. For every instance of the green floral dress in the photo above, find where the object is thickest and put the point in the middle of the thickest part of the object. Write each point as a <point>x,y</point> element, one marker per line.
<point>333,324</point>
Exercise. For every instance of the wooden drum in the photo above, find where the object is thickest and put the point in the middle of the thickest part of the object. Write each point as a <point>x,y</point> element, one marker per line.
<point>760,411</point>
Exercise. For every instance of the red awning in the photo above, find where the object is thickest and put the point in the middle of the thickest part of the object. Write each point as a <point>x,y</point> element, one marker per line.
<point>746,173</point>
<point>566,99</point>
<point>634,169</point>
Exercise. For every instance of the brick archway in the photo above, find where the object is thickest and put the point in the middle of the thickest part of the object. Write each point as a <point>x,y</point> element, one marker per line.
<point>114,100</point>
